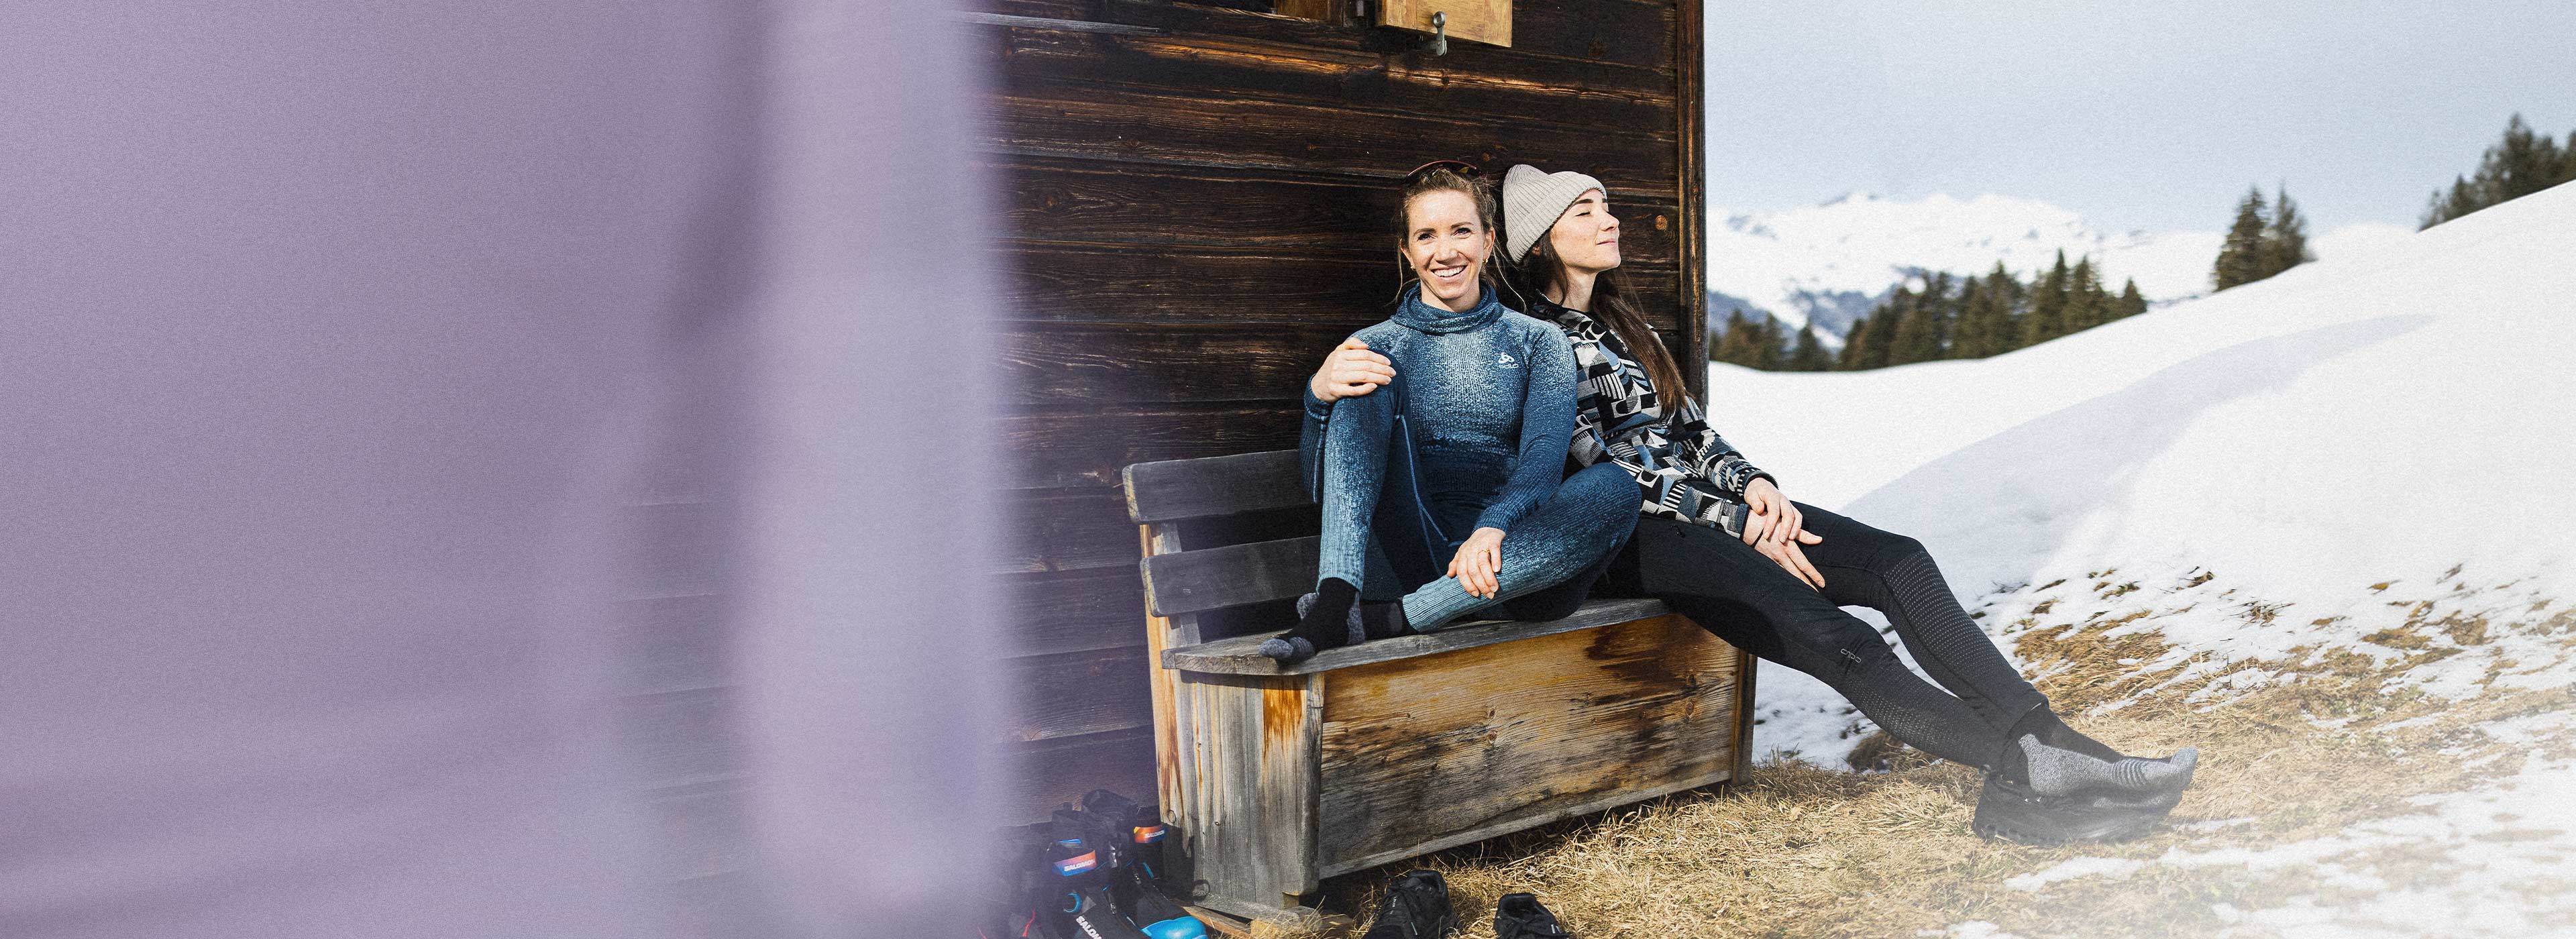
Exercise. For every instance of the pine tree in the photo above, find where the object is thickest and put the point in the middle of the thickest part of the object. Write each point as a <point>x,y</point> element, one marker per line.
<point>1882,338</point>
<point>1968,327</point>
<point>2285,242</point>
<point>1729,347</point>
<point>2047,319</point>
<point>1999,329</point>
<point>2087,306</point>
<point>2240,259</point>
<point>1921,328</point>
<point>1854,346</point>
<point>1765,351</point>
<point>2462,200</point>
<point>2132,302</point>
<point>1810,354</point>
<point>2522,163</point>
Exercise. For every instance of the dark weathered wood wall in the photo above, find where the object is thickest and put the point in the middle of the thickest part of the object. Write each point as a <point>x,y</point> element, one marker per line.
<point>1198,205</point>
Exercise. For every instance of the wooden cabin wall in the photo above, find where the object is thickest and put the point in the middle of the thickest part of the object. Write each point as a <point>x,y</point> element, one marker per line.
<point>1198,205</point>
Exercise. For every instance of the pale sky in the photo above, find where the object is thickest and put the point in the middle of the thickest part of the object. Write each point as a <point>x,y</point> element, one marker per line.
<point>2146,114</point>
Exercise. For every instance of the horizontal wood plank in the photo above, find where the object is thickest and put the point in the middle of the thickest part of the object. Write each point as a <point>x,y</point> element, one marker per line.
<point>1086,10</point>
<point>1067,530</point>
<point>1631,33</point>
<point>1047,773</point>
<point>1053,364</point>
<point>1234,575</point>
<point>1265,286</point>
<point>1089,448</point>
<point>1528,89</point>
<point>1242,655</point>
<point>1083,610</point>
<point>1641,33</point>
<point>1074,119</point>
<point>1555,724</point>
<point>1168,490</point>
<point>1305,214</point>
<point>1080,693</point>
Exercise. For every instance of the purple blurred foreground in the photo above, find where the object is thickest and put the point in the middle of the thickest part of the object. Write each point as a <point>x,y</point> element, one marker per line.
<point>490,469</point>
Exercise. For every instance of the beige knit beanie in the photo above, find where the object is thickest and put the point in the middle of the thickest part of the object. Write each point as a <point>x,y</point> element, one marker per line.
<point>1533,201</point>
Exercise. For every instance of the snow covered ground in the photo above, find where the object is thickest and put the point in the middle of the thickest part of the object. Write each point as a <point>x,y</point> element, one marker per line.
<point>2338,460</point>
<point>1831,262</point>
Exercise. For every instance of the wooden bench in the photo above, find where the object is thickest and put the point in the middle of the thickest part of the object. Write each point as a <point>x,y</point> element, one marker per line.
<point>1280,776</point>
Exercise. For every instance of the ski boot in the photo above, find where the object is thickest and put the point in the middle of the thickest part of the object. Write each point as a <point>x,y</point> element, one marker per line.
<point>1137,883</point>
<point>1080,859</point>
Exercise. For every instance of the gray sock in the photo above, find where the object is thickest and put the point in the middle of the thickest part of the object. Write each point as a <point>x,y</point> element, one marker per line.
<point>2055,772</point>
<point>1288,649</point>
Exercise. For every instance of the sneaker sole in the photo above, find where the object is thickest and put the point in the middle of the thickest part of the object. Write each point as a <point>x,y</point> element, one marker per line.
<point>2029,820</point>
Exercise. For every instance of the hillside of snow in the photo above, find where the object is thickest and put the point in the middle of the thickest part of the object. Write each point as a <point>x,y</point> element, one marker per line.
<point>1829,263</point>
<point>2360,474</point>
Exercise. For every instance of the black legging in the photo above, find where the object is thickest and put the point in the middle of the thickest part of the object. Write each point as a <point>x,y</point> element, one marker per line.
<point>1731,590</point>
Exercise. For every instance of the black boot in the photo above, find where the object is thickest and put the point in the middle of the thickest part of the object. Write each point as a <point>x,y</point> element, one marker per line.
<point>1081,857</point>
<point>1137,883</point>
<point>1416,907</point>
<point>1519,916</point>
<point>2012,811</point>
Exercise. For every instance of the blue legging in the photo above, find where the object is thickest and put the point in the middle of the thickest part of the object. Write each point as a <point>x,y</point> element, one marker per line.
<point>1550,557</point>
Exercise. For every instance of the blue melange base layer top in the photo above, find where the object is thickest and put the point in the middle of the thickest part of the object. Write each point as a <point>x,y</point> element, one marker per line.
<point>1488,407</point>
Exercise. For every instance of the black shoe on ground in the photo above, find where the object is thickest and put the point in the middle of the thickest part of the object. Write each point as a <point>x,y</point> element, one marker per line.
<point>2010,811</point>
<point>1519,916</point>
<point>1136,878</point>
<point>1416,907</point>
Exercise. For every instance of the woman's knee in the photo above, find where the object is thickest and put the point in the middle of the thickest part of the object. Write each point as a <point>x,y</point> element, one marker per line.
<point>1606,496</point>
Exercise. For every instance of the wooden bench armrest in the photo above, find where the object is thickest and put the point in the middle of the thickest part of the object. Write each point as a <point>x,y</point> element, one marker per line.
<point>1242,655</point>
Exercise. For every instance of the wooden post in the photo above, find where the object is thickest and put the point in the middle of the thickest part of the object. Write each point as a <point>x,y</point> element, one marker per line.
<point>1690,107</point>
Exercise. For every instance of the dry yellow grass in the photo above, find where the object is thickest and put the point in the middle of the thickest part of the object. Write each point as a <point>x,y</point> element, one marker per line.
<point>1798,850</point>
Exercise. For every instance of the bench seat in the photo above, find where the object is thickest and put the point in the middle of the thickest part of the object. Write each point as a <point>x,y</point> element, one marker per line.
<point>1242,655</point>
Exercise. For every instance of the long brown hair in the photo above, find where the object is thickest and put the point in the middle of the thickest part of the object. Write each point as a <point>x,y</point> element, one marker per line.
<point>1440,178</point>
<point>1540,270</point>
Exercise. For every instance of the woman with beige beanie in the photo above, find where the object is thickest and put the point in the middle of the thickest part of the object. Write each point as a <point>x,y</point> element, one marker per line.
<point>1719,543</point>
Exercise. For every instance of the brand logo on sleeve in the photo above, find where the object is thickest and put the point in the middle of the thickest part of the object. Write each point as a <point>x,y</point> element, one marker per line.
<point>1505,360</point>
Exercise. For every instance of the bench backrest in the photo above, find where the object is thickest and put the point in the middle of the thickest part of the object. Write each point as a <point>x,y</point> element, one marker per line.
<point>1215,527</point>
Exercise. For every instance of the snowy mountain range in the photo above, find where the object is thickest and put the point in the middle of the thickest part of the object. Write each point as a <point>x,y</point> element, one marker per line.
<point>1830,263</point>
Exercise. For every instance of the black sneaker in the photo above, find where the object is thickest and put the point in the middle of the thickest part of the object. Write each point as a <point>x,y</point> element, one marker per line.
<point>2010,811</point>
<point>1137,879</point>
<point>1519,916</point>
<point>1416,907</point>
<point>1081,860</point>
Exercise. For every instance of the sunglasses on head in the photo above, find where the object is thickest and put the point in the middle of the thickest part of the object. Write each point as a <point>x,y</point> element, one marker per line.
<point>1463,167</point>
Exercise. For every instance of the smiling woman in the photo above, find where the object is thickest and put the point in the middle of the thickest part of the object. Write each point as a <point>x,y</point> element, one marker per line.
<point>1446,490</point>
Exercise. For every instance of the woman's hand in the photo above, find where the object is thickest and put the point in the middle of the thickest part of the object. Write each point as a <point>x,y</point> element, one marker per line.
<point>1479,563</point>
<point>1349,372</point>
<point>1775,529</point>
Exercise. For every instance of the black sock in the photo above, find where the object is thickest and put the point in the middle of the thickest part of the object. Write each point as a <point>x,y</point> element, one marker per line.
<point>1384,620</point>
<point>1325,625</point>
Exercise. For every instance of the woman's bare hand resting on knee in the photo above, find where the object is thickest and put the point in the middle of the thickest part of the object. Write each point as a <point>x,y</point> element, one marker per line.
<point>1774,529</point>
<point>1478,564</point>
<point>1349,372</point>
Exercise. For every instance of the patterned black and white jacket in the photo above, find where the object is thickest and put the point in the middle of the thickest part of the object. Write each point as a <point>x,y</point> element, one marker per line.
<point>1684,470</point>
